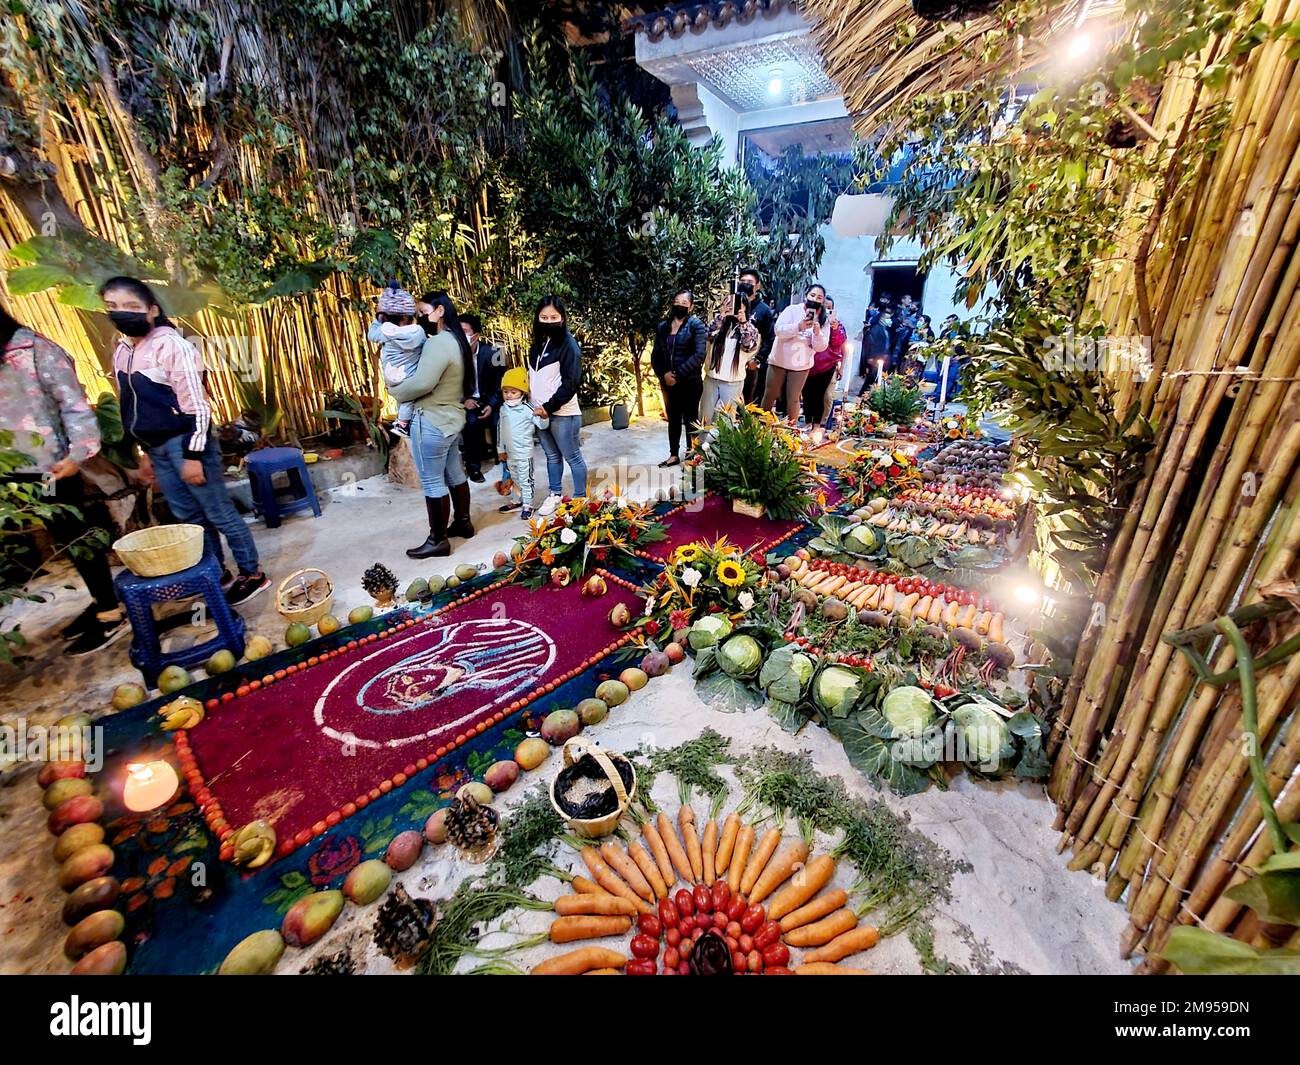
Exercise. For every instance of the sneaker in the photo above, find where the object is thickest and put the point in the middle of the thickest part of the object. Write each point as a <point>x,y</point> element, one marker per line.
<point>507,508</point>
<point>475,475</point>
<point>81,623</point>
<point>526,513</point>
<point>245,586</point>
<point>401,429</point>
<point>227,578</point>
<point>549,504</point>
<point>98,636</point>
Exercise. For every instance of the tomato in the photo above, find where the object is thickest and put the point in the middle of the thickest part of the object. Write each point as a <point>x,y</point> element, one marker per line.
<point>667,913</point>
<point>746,942</point>
<point>685,902</point>
<point>650,925</point>
<point>684,969</point>
<point>737,962</point>
<point>721,895</point>
<point>720,921</point>
<point>754,962</point>
<point>698,931</point>
<point>645,946</point>
<point>687,926</point>
<point>753,919</point>
<point>673,936</point>
<point>671,959</point>
<point>776,954</point>
<point>767,935</point>
<point>736,907</point>
<point>685,948</point>
<point>703,899</point>
<point>779,970</point>
<point>641,967</point>
<point>733,944</point>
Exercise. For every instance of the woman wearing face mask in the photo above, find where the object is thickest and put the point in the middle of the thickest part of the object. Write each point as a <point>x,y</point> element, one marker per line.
<point>554,364</point>
<point>436,389</point>
<point>677,360</point>
<point>400,339</point>
<point>800,334</point>
<point>825,368</point>
<point>164,410</point>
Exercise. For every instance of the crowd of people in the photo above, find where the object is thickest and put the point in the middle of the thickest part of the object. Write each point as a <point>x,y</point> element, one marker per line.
<point>899,338</point>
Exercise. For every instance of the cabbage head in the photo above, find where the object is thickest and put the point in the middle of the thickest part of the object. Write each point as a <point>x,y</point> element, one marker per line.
<point>984,733</point>
<point>861,539</point>
<point>909,709</point>
<point>707,631</point>
<point>838,688</point>
<point>786,673</point>
<point>740,656</point>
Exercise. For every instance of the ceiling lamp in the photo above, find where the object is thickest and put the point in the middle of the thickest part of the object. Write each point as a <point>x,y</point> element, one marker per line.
<point>774,85</point>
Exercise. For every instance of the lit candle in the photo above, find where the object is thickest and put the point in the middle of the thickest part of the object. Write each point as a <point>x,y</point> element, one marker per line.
<point>943,382</point>
<point>149,785</point>
<point>880,371</point>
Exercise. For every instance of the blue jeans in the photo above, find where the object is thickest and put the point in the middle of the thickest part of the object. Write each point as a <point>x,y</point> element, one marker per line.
<point>207,504</point>
<point>437,457</point>
<point>560,440</point>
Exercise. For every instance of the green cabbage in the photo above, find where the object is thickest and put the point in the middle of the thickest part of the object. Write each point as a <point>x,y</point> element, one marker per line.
<point>984,734</point>
<point>861,539</point>
<point>740,656</point>
<point>910,710</point>
<point>786,674</point>
<point>708,630</point>
<point>838,688</point>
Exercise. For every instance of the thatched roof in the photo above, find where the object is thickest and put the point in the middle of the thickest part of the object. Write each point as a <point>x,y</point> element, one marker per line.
<point>859,46</point>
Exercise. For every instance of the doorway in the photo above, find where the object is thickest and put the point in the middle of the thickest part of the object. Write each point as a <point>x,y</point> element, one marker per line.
<point>892,281</point>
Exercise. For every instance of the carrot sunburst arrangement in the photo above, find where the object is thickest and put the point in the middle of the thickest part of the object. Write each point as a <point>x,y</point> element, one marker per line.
<point>582,532</point>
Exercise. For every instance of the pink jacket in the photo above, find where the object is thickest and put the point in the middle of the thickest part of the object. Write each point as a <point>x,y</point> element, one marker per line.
<point>161,382</point>
<point>796,344</point>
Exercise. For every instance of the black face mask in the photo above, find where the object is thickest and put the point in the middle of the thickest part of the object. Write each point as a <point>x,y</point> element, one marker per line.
<point>680,313</point>
<point>816,308</point>
<point>745,288</point>
<point>131,323</point>
<point>550,330</point>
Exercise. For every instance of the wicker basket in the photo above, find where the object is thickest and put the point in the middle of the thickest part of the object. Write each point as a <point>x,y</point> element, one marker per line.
<point>574,749</point>
<point>161,550</point>
<point>307,615</point>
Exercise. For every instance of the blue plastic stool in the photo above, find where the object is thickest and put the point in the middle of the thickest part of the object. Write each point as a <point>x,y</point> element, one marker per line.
<point>139,594</point>
<point>262,466</point>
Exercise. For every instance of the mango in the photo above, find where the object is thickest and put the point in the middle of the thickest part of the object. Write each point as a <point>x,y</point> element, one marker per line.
<point>404,850</point>
<point>367,882</point>
<point>296,634</point>
<point>173,679</point>
<point>675,653</point>
<point>108,960</point>
<point>328,625</point>
<point>613,692</point>
<point>222,661</point>
<point>257,647</point>
<point>453,581</point>
<point>481,792</point>
<point>437,583</point>
<point>76,838</point>
<point>634,678</point>
<point>435,829</point>
<point>75,811</point>
<point>466,572</point>
<point>311,917</point>
<point>93,932</point>
<point>77,721</point>
<point>89,863</point>
<point>592,711</point>
<point>52,771</point>
<point>98,894</point>
<point>500,775</point>
<point>254,955</point>
<point>532,752</point>
<point>500,559</point>
<point>358,614</point>
<point>560,725</point>
<point>126,696</point>
<point>63,790</point>
<point>418,591</point>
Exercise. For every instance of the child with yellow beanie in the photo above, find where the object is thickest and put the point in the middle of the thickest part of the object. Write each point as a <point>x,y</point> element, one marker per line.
<point>516,437</point>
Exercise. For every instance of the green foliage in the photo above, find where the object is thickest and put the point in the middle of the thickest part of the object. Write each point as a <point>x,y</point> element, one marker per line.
<point>896,401</point>
<point>749,459</point>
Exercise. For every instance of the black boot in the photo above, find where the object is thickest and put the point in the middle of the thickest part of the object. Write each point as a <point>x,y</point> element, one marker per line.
<point>436,545</point>
<point>461,526</point>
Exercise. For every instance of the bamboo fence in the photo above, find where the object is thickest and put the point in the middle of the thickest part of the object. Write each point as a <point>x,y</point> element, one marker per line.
<point>1150,778</point>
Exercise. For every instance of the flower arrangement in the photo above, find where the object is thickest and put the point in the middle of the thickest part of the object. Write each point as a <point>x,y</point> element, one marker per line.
<point>586,531</point>
<point>879,472</point>
<point>750,458</point>
<point>702,578</point>
<point>957,427</point>
<point>862,421</point>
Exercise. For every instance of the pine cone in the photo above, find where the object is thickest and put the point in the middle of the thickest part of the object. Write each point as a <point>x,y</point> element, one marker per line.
<point>379,578</point>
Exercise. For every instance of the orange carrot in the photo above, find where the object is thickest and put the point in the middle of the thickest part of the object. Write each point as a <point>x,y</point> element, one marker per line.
<point>825,968</point>
<point>675,849</point>
<point>648,869</point>
<point>626,868</point>
<point>812,911</point>
<point>580,961</point>
<point>602,905</point>
<point>783,866</point>
<point>568,929</point>
<point>709,849</point>
<point>758,860</point>
<point>726,845</point>
<point>603,972</point>
<point>609,880</point>
<point>744,844</point>
<point>686,818</point>
<point>864,937</point>
<point>823,931</point>
<point>660,852</point>
<point>806,883</point>
<point>583,886</point>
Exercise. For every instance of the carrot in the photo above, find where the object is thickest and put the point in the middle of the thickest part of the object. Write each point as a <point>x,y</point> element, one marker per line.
<point>626,868</point>
<point>864,937</point>
<point>584,886</point>
<point>708,849</point>
<point>812,911</point>
<point>660,853</point>
<point>580,961</point>
<point>995,628</point>
<point>726,844</point>
<point>675,850</point>
<point>648,869</point>
<point>823,931</point>
<point>758,859</point>
<point>567,929</point>
<point>603,972</point>
<point>602,905</point>
<point>686,818</point>
<point>744,844</point>
<point>806,883</point>
<point>609,880</point>
<point>778,871</point>
<point>825,968</point>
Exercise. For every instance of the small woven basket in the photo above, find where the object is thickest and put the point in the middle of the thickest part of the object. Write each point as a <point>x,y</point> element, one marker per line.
<point>161,550</point>
<point>307,615</point>
<point>593,827</point>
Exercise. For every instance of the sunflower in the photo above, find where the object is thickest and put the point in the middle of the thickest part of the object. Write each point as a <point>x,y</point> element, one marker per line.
<point>686,553</point>
<point>731,573</point>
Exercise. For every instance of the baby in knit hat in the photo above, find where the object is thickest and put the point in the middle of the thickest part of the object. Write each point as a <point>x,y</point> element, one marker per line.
<point>401,339</point>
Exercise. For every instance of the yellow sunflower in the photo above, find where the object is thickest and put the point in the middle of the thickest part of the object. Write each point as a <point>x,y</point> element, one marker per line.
<point>687,553</point>
<point>730,573</point>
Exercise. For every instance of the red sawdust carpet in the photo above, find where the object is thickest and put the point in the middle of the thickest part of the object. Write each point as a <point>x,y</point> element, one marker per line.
<point>711,518</point>
<point>297,751</point>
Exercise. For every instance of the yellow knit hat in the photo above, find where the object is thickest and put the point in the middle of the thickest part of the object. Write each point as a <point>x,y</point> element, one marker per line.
<point>516,377</point>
